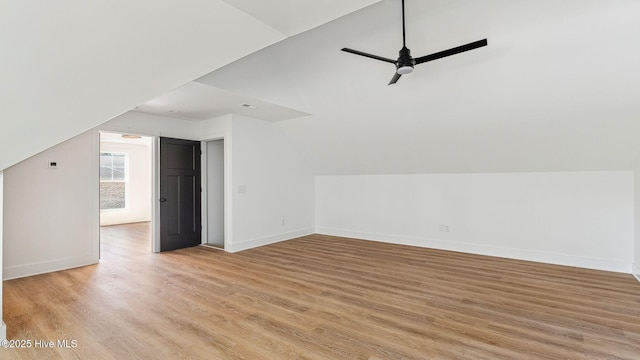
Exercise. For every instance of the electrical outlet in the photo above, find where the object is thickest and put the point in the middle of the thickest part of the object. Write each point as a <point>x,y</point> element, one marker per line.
<point>443,228</point>
<point>283,222</point>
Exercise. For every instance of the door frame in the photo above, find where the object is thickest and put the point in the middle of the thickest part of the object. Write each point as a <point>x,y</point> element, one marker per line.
<point>227,188</point>
<point>155,182</point>
<point>155,185</point>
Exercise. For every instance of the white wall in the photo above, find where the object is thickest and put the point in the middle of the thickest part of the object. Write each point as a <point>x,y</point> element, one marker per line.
<point>51,215</point>
<point>64,203</point>
<point>574,218</point>
<point>3,327</point>
<point>279,185</point>
<point>138,207</point>
<point>636,264</point>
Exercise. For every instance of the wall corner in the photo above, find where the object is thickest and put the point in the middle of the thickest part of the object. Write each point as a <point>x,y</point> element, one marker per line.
<point>3,326</point>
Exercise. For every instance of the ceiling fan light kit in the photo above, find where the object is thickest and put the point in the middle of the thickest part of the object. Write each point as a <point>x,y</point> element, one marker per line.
<point>405,62</point>
<point>404,70</point>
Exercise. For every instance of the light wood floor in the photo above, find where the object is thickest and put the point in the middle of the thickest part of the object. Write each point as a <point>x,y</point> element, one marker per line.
<point>321,297</point>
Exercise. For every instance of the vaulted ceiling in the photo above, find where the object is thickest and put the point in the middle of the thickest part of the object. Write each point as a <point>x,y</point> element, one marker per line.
<point>556,89</point>
<point>67,66</point>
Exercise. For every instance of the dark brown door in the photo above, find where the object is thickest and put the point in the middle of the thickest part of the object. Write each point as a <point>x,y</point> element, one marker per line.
<point>180,212</point>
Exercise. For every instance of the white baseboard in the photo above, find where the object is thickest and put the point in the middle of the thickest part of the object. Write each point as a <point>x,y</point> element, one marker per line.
<point>249,244</point>
<point>3,331</point>
<point>636,271</point>
<point>489,250</point>
<point>14,272</point>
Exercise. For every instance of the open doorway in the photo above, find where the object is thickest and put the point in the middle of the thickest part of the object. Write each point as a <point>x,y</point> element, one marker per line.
<point>126,182</point>
<point>215,193</point>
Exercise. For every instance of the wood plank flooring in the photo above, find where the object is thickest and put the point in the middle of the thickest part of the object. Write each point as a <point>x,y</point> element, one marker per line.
<point>320,297</point>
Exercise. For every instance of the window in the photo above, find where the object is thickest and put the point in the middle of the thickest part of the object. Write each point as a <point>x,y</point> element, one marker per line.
<point>113,181</point>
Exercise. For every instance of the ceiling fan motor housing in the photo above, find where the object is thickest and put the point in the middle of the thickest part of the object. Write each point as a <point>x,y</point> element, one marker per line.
<point>405,62</point>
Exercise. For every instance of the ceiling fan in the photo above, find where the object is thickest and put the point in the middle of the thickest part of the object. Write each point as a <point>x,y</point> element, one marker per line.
<point>405,63</point>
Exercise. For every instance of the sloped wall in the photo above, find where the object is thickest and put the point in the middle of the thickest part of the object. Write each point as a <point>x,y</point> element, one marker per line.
<point>68,69</point>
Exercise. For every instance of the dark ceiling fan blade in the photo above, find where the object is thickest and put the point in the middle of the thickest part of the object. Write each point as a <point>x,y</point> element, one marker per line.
<point>368,55</point>
<point>394,79</point>
<point>452,51</point>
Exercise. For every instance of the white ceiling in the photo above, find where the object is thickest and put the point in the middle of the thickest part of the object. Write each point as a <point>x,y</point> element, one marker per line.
<point>196,101</point>
<point>291,17</point>
<point>66,69</point>
<point>555,90</point>
<point>120,139</point>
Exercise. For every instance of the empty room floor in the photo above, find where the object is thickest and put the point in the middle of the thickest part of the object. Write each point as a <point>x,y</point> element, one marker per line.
<point>320,297</point>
